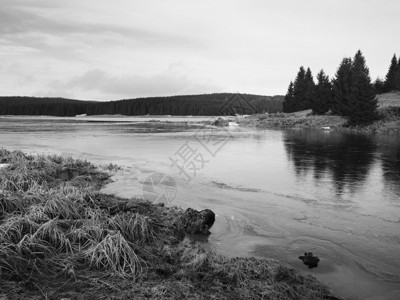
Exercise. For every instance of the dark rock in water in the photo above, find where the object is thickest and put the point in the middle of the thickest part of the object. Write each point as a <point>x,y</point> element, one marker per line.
<point>196,222</point>
<point>310,260</point>
<point>221,122</point>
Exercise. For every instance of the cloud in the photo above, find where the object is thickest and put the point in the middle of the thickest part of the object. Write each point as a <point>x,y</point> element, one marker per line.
<point>52,34</point>
<point>19,22</point>
<point>131,46</point>
<point>99,82</point>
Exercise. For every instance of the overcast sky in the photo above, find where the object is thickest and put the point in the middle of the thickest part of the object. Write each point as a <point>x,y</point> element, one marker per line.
<point>104,50</point>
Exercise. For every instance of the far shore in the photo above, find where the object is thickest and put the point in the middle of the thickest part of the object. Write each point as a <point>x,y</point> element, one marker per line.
<point>388,109</point>
<point>389,123</point>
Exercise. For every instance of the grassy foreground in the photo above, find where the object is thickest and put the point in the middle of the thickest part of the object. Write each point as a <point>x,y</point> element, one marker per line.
<point>61,238</point>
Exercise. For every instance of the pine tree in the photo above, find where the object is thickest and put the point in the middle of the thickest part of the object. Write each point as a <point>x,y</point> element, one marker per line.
<point>379,86</point>
<point>323,94</point>
<point>362,103</point>
<point>295,93</point>
<point>397,80</point>
<point>309,92</point>
<point>392,76</point>
<point>300,93</point>
<point>289,99</point>
<point>342,88</point>
<point>299,88</point>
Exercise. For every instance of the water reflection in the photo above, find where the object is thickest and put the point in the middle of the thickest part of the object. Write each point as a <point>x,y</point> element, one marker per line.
<point>391,162</point>
<point>345,158</point>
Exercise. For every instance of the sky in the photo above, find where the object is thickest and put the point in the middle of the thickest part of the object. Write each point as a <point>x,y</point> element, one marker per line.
<point>108,50</point>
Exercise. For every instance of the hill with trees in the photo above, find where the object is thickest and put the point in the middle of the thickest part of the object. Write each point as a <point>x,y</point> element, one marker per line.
<point>203,105</point>
<point>206,105</point>
<point>350,93</point>
<point>42,106</point>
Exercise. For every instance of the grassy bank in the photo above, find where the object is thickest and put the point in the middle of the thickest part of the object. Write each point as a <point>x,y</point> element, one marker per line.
<point>61,238</point>
<point>389,111</point>
<point>301,120</point>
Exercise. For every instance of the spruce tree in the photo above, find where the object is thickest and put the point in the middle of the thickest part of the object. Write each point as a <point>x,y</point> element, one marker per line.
<point>323,94</point>
<point>299,88</point>
<point>342,88</point>
<point>309,92</point>
<point>392,76</point>
<point>289,99</point>
<point>362,102</point>
<point>397,80</point>
<point>379,86</point>
<point>295,92</point>
<point>300,93</point>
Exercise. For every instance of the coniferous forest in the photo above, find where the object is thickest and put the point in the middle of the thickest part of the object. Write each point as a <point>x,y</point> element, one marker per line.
<point>200,105</point>
<point>350,93</point>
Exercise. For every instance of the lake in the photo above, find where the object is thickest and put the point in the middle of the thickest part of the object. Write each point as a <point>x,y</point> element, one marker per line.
<point>276,193</point>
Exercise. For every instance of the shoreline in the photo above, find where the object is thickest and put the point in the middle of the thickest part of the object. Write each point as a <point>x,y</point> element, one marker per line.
<point>79,243</point>
<point>388,110</point>
<point>388,124</point>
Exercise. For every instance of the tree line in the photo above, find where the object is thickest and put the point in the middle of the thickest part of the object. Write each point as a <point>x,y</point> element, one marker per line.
<point>392,80</point>
<point>350,93</point>
<point>16,105</point>
<point>205,105</point>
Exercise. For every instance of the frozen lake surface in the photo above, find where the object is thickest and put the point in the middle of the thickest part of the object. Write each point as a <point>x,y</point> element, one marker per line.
<point>276,193</point>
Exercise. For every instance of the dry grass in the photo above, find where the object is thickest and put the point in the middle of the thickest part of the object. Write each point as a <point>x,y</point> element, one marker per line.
<point>115,254</point>
<point>134,227</point>
<point>15,227</point>
<point>193,258</point>
<point>53,233</point>
<point>389,100</point>
<point>63,207</point>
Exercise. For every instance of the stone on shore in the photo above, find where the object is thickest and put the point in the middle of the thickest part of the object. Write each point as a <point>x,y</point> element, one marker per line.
<point>198,222</point>
<point>221,122</point>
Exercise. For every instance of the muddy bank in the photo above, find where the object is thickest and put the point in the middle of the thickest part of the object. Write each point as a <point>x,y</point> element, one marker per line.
<point>61,238</point>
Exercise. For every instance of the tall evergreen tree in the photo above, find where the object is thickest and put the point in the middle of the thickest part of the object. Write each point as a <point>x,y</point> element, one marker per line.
<point>299,88</point>
<point>295,93</point>
<point>379,86</point>
<point>392,76</point>
<point>397,85</point>
<point>289,98</point>
<point>342,87</point>
<point>300,93</point>
<point>309,93</point>
<point>323,94</point>
<point>362,104</point>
